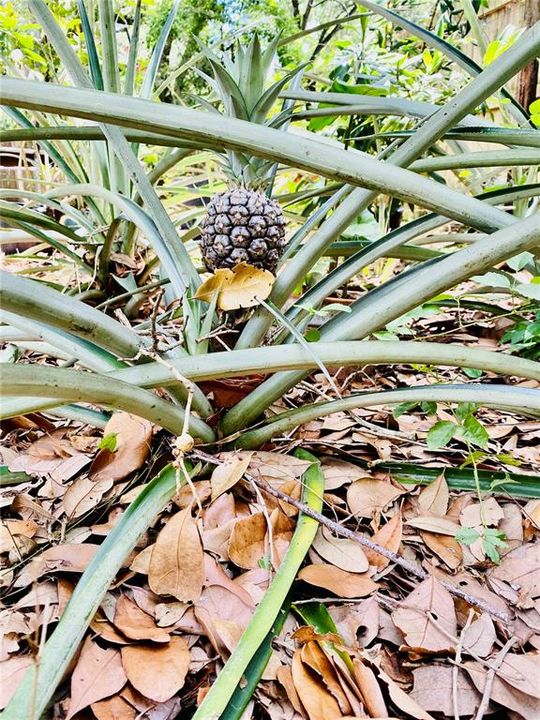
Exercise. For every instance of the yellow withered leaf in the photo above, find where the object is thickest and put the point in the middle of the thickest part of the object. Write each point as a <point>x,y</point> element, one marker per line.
<point>242,287</point>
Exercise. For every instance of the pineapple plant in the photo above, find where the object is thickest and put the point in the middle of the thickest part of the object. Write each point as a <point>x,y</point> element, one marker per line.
<point>244,224</point>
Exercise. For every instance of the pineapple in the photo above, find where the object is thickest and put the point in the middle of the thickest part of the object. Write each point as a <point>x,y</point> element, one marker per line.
<point>243,224</point>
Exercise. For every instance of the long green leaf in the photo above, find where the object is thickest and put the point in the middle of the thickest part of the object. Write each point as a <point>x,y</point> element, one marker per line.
<point>75,386</point>
<point>131,69</point>
<point>517,485</point>
<point>157,53</point>
<point>93,57</point>
<point>238,363</point>
<point>32,299</point>
<point>390,242</point>
<point>504,397</point>
<point>42,679</point>
<point>306,153</point>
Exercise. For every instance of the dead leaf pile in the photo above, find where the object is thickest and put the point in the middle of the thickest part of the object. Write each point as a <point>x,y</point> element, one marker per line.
<point>188,591</point>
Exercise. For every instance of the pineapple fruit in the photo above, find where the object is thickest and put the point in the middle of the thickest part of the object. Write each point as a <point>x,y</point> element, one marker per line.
<point>243,224</point>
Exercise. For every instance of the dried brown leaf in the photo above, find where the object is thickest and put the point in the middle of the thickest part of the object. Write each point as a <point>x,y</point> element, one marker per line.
<point>313,657</point>
<point>420,615</point>
<point>439,525</point>
<point>135,624</point>
<point>114,708</point>
<point>97,675</point>
<point>434,498</point>
<point>242,287</point>
<point>480,636</point>
<point>521,568</point>
<point>228,473</point>
<point>339,472</point>
<point>341,552</point>
<point>367,496</point>
<point>389,537</point>
<point>84,494</point>
<point>247,543</point>
<point>358,623</point>
<point>177,563</point>
<point>433,691</point>
<point>337,581</point>
<point>59,558</point>
<point>489,512</point>
<point>369,689</point>
<point>446,547</point>
<point>12,672</point>
<point>157,672</point>
<point>224,617</point>
<point>515,685</point>
<point>318,703</point>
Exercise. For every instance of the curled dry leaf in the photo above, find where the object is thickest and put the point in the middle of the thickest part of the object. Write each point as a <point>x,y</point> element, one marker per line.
<point>344,553</point>
<point>242,287</point>
<point>97,675</point>
<point>314,658</point>
<point>135,624</point>
<point>317,701</point>
<point>157,672</point>
<point>177,563</point>
<point>389,537</point>
<point>370,689</point>
<point>228,473</point>
<point>419,617</point>
<point>367,496</point>
<point>105,629</point>
<point>337,581</point>
<point>446,547</point>
<point>133,437</point>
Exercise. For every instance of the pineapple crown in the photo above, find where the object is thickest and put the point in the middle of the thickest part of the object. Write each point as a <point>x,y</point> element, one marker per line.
<point>240,79</point>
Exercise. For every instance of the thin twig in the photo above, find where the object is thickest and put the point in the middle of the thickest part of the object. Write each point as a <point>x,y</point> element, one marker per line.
<point>490,678</point>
